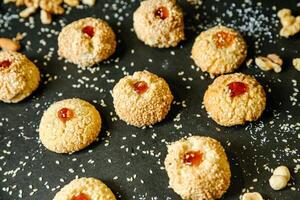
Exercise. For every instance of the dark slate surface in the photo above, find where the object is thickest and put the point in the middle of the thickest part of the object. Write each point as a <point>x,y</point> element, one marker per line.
<point>130,160</point>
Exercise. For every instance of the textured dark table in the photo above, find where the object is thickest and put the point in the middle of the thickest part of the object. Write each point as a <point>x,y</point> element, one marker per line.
<point>130,160</point>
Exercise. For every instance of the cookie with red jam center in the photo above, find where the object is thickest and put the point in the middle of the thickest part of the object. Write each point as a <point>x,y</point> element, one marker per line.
<point>235,99</point>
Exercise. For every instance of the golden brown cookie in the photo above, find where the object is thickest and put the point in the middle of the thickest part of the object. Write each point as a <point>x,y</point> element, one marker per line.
<point>159,23</point>
<point>142,99</point>
<point>235,99</point>
<point>19,77</point>
<point>219,50</point>
<point>85,189</point>
<point>86,42</point>
<point>69,125</point>
<point>198,168</point>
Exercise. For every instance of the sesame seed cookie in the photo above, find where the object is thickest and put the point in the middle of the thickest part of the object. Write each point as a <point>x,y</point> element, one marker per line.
<point>142,99</point>
<point>235,99</point>
<point>198,168</point>
<point>69,125</point>
<point>86,42</point>
<point>85,189</point>
<point>159,23</point>
<point>219,50</point>
<point>19,77</point>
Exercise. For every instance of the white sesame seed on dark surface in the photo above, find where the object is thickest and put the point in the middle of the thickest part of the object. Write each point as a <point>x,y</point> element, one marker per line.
<point>128,159</point>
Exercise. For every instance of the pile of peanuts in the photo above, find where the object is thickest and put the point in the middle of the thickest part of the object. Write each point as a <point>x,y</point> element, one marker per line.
<point>48,7</point>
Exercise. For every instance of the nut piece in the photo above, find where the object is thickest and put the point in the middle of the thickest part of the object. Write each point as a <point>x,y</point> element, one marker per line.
<point>32,3</point>
<point>272,61</point>
<point>53,7</point>
<point>282,171</point>
<point>89,2</point>
<point>8,44</point>
<point>277,182</point>
<point>296,63</point>
<point>48,7</point>
<point>27,12</point>
<point>291,24</point>
<point>46,17</point>
<point>72,3</point>
<point>252,196</point>
<point>280,178</point>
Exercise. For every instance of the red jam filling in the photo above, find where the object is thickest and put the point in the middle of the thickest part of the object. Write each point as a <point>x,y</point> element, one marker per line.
<point>5,64</point>
<point>193,158</point>
<point>65,114</point>
<point>223,39</point>
<point>162,13</point>
<point>89,30</point>
<point>237,88</point>
<point>81,196</point>
<point>140,87</point>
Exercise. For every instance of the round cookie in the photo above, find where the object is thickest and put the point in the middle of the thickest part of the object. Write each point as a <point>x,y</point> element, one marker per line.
<point>69,125</point>
<point>234,99</point>
<point>85,189</point>
<point>159,23</point>
<point>219,50</point>
<point>198,168</point>
<point>142,99</point>
<point>19,77</point>
<point>86,42</point>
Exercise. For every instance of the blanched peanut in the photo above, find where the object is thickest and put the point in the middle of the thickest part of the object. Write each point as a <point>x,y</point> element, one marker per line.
<point>296,63</point>
<point>282,171</point>
<point>46,17</point>
<point>72,3</point>
<point>252,196</point>
<point>277,182</point>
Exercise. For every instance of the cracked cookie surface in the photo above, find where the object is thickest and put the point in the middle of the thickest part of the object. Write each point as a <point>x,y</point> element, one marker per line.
<point>87,42</point>
<point>219,50</point>
<point>19,77</point>
<point>69,125</point>
<point>159,23</point>
<point>142,99</point>
<point>235,99</point>
<point>85,189</point>
<point>204,178</point>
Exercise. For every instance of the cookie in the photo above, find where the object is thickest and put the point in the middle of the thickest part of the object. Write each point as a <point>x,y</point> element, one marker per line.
<point>19,77</point>
<point>85,189</point>
<point>235,99</point>
<point>159,23</point>
<point>69,125</point>
<point>219,50</point>
<point>198,168</point>
<point>86,42</point>
<point>142,99</point>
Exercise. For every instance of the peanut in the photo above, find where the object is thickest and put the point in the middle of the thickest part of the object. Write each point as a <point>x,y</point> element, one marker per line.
<point>296,63</point>
<point>252,196</point>
<point>272,61</point>
<point>282,171</point>
<point>280,178</point>
<point>8,44</point>
<point>290,23</point>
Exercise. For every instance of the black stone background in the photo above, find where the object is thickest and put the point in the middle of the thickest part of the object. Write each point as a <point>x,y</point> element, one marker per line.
<point>248,147</point>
